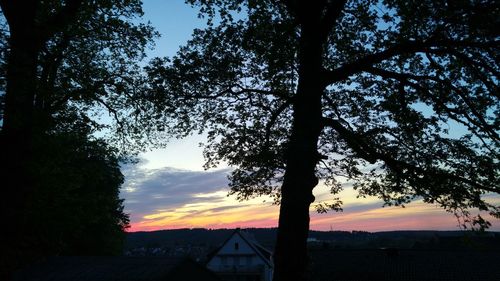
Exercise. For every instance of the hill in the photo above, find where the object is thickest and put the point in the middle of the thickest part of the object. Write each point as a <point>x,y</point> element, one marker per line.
<point>198,242</point>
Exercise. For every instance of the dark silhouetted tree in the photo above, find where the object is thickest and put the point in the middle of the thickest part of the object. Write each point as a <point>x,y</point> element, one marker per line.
<point>28,33</point>
<point>76,209</point>
<point>65,64</point>
<point>400,98</point>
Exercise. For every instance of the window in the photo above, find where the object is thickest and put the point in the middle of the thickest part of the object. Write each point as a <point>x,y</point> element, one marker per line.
<point>236,246</point>
<point>236,260</point>
<point>223,260</point>
<point>249,260</point>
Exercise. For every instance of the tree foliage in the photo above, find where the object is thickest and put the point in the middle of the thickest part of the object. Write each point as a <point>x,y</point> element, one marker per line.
<point>398,98</point>
<point>78,108</point>
<point>93,65</point>
<point>76,208</point>
<point>410,104</point>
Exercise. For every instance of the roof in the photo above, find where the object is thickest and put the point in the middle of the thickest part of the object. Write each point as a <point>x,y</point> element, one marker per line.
<point>261,251</point>
<point>115,269</point>
<point>404,265</point>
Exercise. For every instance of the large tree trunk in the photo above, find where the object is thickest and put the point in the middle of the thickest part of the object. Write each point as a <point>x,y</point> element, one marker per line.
<point>20,128</point>
<point>290,255</point>
<point>16,139</point>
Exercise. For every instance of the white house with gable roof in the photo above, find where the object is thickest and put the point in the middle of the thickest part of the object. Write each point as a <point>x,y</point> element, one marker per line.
<point>242,258</point>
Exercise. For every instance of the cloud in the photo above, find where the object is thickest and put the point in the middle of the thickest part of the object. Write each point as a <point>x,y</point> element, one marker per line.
<point>168,198</point>
<point>370,217</point>
<point>174,198</point>
<point>149,192</point>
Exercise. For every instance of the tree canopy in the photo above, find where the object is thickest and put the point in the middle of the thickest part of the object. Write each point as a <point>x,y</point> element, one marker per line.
<point>399,98</point>
<point>410,106</point>
<point>76,209</point>
<point>65,66</point>
<point>90,63</point>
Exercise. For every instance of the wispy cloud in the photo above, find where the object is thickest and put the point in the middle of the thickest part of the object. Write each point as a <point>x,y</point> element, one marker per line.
<point>148,192</point>
<point>171,198</point>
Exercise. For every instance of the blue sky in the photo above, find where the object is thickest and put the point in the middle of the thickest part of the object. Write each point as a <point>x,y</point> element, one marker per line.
<point>175,20</point>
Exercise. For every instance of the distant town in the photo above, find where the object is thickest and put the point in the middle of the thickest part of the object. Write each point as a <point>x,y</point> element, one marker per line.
<point>247,255</point>
<point>235,254</point>
<point>197,243</point>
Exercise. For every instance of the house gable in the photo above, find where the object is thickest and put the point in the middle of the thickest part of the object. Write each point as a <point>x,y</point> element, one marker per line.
<point>240,247</point>
<point>236,244</point>
<point>241,257</point>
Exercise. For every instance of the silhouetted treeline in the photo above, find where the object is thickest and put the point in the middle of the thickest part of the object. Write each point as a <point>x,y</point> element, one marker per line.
<point>210,238</point>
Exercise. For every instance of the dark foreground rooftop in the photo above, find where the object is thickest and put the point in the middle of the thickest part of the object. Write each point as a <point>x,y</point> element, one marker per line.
<point>405,265</point>
<point>326,265</point>
<point>115,269</point>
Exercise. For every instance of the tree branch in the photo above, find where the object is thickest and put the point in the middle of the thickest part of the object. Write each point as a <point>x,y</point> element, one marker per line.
<point>60,20</point>
<point>369,153</point>
<point>406,47</point>
<point>111,111</point>
<point>291,5</point>
<point>274,117</point>
<point>17,13</point>
<point>348,69</point>
<point>333,10</point>
<point>405,77</point>
<point>353,140</point>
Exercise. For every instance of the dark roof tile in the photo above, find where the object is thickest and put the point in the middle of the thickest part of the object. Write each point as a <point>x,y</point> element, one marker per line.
<point>404,265</point>
<point>114,269</point>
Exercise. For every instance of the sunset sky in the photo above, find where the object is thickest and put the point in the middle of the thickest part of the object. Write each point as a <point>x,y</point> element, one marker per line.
<point>169,189</point>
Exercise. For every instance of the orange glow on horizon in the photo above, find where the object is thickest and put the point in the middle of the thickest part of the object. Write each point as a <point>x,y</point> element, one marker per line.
<point>365,214</point>
<point>417,216</point>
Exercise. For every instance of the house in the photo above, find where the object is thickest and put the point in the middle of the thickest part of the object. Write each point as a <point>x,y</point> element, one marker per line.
<point>115,269</point>
<point>241,258</point>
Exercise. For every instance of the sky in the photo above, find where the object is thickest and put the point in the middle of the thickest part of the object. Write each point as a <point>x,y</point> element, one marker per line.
<point>169,189</point>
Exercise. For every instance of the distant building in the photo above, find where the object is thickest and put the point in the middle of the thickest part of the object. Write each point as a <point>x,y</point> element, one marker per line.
<point>115,269</point>
<point>241,258</point>
<point>313,240</point>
